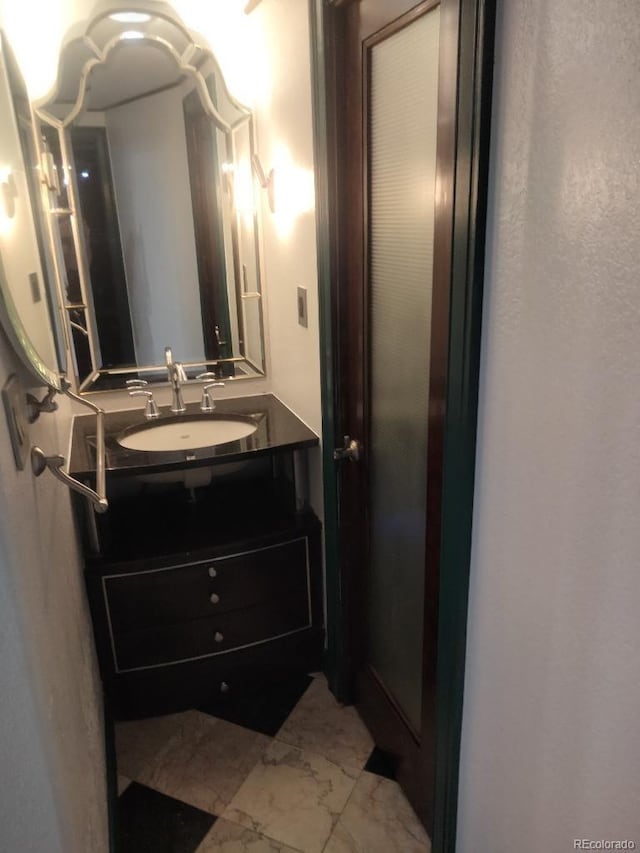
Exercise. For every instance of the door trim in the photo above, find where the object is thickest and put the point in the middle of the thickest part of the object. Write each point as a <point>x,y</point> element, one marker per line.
<point>475,22</point>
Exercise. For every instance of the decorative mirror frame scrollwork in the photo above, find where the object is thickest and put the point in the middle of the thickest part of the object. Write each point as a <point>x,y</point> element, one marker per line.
<point>189,59</point>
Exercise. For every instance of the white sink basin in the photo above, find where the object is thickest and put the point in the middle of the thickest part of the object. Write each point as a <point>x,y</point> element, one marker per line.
<point>187,433</point>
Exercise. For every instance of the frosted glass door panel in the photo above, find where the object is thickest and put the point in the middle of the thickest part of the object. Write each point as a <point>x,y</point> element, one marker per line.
<point>402,168</point>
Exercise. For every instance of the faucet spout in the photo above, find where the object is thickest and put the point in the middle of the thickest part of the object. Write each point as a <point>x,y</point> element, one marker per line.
<point>176,376</point>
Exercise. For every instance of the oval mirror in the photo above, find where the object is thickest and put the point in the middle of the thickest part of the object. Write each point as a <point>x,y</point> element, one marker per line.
<point>28,310</point>
<point>153,204</point>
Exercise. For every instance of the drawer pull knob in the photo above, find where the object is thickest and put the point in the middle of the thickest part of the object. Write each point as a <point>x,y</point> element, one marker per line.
<point>218,637</point>
<point>212,572</point>
<point>224,687</point>
<point>214,599</point>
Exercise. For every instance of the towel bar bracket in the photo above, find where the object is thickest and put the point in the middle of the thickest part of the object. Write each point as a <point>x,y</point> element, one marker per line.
<point>40,462</point>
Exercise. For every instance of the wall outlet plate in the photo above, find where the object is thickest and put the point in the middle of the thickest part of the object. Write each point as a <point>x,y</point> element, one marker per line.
<point>15,407</point>
<point>303,317</point>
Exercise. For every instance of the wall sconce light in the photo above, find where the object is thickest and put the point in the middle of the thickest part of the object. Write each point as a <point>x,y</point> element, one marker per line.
<point>266,181</point>
<point>8,194</point>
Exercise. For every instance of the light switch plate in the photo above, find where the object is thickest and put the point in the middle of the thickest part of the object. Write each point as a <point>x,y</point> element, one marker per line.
<point>15,408</point>
<point>303,317</point>
<point>36,295</point>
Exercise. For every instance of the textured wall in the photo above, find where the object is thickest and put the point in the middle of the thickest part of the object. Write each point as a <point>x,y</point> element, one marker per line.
<point>53,795</point>
<point>550,731</point>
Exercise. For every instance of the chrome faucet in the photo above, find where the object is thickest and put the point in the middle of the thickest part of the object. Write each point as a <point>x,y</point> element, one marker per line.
<point>176,376</point>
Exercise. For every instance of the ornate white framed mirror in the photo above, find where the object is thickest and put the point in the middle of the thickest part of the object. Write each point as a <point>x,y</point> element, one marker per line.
<point>152,203</point>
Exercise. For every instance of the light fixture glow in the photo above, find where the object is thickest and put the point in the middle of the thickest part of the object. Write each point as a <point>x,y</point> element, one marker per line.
<point>130,17</point>
<point>267,182</point>
<point>244,200</point>
<point>290,189</point>
<point>131,34</point>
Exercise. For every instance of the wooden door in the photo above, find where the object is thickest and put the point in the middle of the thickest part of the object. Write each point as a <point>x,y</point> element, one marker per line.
<point>394,163</point>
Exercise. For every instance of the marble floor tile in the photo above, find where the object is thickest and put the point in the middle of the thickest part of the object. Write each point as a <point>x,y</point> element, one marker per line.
<point>378,819</point>
<point>292,796</point>
<point>227,837</point>
<point>319,724</point>
<point>205,761</point>
<point>138,742</point>
<point>149,822</point>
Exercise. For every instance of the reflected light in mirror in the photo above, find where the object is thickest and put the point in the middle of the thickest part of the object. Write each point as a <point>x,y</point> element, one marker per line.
<point>243,191</point>
<point>294,191</point>
<point>130,17</point>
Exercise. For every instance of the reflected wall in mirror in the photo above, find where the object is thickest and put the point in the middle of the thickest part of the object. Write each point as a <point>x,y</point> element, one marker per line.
<point>27,309</point>
<point>154,205</point>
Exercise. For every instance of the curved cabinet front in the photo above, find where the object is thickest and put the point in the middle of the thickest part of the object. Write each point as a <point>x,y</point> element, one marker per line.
<point>153,597</point>
<point>197,614</point>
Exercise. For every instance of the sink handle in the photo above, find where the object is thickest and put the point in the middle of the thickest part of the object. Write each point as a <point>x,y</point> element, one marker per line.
<point>207,403</point>
<point>151,407</point>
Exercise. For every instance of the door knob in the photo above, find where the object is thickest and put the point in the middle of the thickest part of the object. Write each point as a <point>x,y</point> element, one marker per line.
<point>351,450</point>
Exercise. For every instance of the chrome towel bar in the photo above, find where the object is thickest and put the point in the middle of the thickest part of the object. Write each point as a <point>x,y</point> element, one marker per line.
<point>40,461</point>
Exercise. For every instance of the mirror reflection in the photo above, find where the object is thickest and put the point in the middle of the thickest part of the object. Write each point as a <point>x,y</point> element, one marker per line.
<point>151,189</point>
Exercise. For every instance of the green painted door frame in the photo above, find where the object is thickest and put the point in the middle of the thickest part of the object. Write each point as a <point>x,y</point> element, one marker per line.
<point>475,66</point>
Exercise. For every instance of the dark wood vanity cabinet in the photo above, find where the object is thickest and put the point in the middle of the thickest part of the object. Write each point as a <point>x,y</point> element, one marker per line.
<point>184,630</point>
<point>202,593</point>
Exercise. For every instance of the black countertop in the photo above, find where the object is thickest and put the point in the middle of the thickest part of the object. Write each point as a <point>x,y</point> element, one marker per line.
<point>278,429</point>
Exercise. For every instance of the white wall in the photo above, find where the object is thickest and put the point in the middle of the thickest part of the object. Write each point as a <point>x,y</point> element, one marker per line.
<point>285,122</point>
<point>550,733</point>
<point>290,255</point>
<point>53,794</point>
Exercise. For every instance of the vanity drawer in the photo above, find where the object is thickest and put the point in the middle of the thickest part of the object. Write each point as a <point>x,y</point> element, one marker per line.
<point>214,635</point>
<point>157,597</point>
